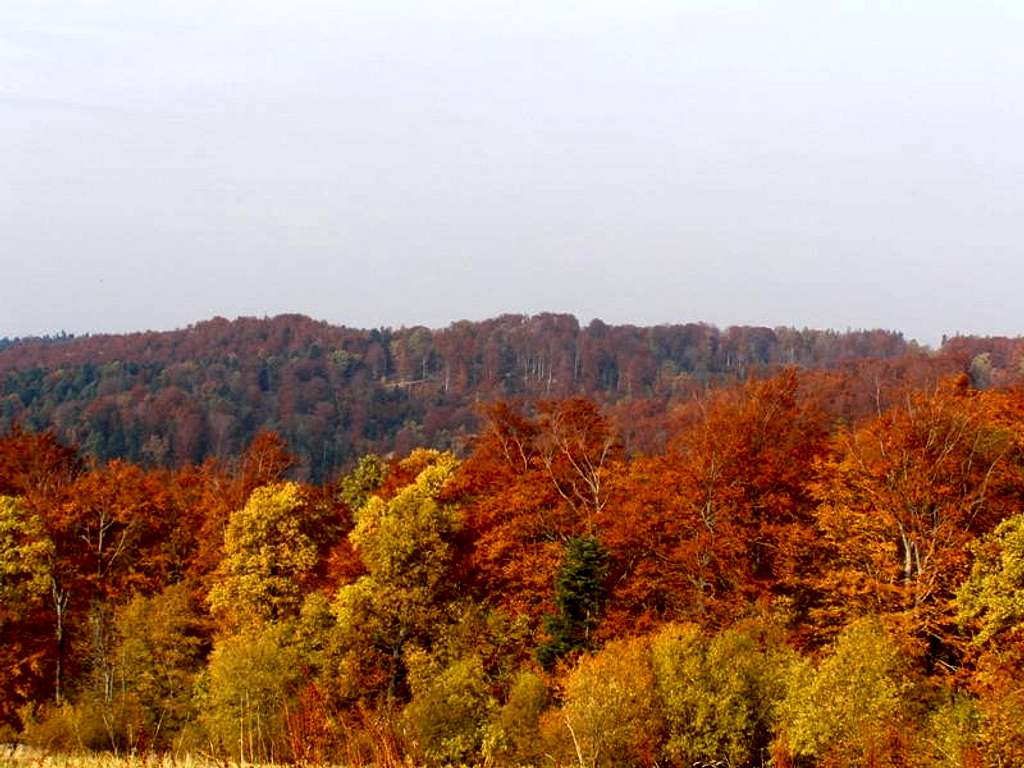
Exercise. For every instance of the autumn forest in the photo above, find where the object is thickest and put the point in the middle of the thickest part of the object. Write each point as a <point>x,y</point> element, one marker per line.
<point>520,542</point>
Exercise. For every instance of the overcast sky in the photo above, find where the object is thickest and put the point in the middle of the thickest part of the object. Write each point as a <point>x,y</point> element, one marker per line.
<point>379,163</point>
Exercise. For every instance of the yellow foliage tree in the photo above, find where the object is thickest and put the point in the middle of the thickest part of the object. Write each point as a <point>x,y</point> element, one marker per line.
<point>992,598</point>
<point>717,694</point>
<point>25,555</point>
<point>405,546</point>
<point>610,714</point>
<point>251,682</point>
<point>266,555</point>
<point>849,708</point>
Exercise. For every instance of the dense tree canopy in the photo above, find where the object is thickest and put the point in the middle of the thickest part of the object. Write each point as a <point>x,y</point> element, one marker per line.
<point>335,393</point>
<point>809,568</point>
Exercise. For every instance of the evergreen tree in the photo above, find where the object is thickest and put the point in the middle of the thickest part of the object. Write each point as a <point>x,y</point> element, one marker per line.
<point>579,591</point>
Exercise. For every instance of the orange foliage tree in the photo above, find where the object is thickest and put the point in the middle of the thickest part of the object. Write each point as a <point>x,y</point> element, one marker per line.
<point>900,499</point>
<point>531,484</point>
<point>724,515</point>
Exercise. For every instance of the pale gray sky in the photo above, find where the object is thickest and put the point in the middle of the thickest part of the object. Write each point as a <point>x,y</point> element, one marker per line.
<point>386,163</point>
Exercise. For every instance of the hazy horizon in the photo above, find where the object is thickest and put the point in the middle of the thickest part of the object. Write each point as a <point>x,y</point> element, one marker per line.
<point>388,163</point>
<point>583,323</point>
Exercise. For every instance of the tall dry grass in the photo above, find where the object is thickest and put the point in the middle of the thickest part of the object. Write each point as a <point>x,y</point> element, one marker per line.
<point>19,756</point>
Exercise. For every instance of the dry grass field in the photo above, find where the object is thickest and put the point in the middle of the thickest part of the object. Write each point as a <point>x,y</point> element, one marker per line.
<point>27,757</point>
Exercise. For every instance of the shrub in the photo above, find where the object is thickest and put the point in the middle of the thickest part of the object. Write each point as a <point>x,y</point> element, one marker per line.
<point>513,735</point>
<point>449,707</point>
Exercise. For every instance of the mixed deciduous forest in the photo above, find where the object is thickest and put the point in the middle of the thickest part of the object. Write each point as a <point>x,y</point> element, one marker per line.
<point>514,543</point>
<point>335,394</point>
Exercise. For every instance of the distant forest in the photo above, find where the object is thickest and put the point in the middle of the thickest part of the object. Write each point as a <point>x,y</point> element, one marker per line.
<point>335,393</point>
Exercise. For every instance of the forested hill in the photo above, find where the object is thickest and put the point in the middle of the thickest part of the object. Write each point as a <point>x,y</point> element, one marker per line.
<point>335,393</point>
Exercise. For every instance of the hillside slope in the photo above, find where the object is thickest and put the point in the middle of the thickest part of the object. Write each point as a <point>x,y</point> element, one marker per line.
<point>335,392</point>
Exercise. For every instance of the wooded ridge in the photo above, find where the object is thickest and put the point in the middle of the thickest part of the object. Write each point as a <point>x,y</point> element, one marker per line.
<point>335,393</point>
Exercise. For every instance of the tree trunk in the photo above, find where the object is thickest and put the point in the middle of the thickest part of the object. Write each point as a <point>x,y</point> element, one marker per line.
<point>60,604</point>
